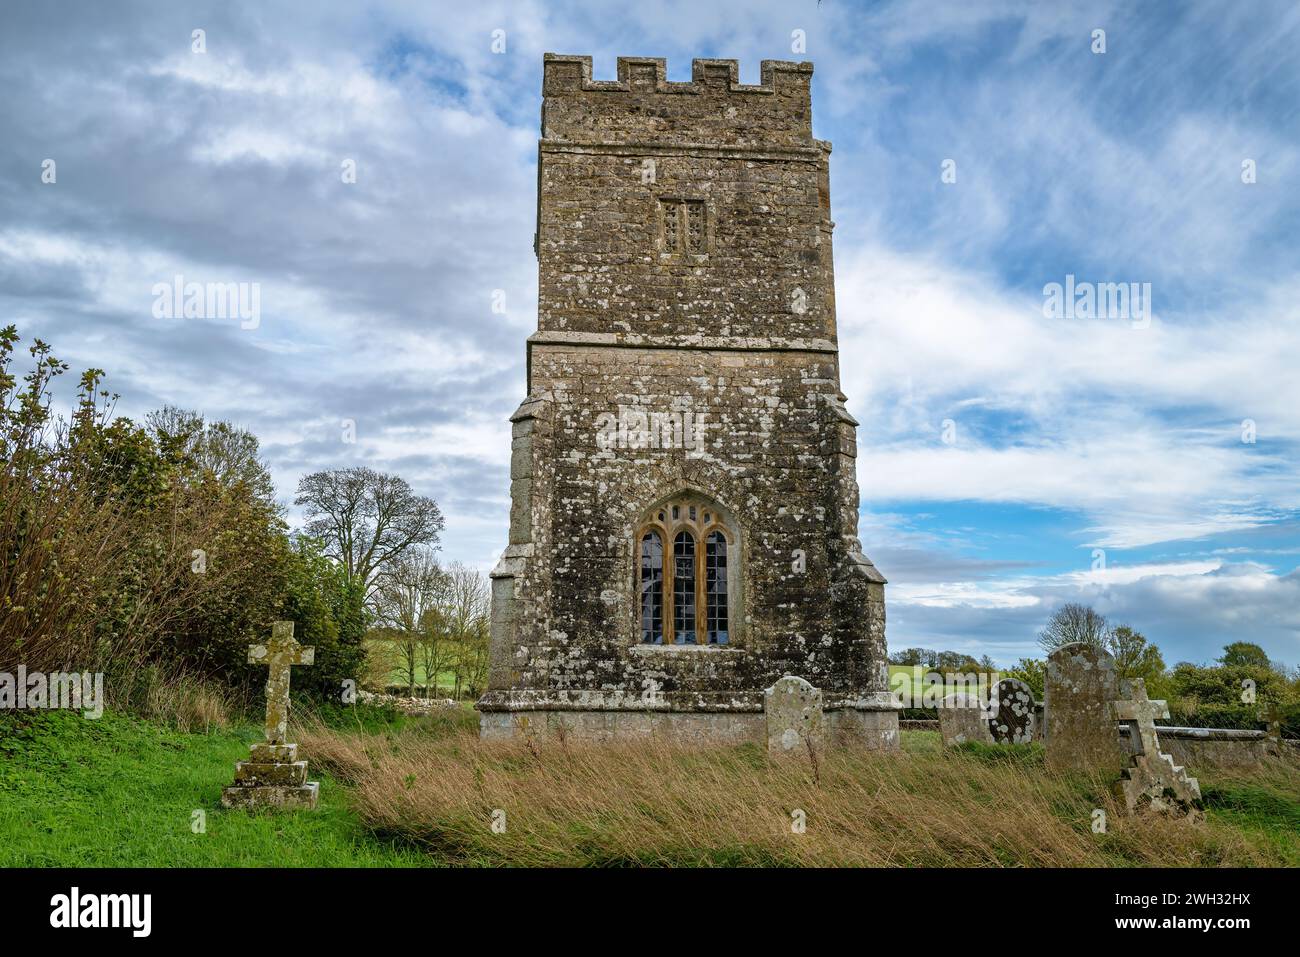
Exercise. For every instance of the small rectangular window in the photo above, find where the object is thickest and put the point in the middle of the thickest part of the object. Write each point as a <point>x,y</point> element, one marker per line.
<point>685,226</point>
<point>672,226</point>
<point>694,227</point>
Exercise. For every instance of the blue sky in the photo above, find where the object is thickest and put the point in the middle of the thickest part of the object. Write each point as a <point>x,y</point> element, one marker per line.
<point>1068,439</point>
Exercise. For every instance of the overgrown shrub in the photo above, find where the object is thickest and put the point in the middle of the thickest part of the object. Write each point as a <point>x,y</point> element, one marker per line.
<point>155,554</point>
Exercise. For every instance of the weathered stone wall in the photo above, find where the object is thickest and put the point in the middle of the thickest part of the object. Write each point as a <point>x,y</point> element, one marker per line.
<point>738,333</point>
<point>611,155</point>
<point>604,267</point>
<point>1198,747</point>
<point>846,727</point>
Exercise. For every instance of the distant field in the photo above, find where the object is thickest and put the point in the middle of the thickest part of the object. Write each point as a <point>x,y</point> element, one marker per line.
<point>397,675</point>
<point>917,675</point>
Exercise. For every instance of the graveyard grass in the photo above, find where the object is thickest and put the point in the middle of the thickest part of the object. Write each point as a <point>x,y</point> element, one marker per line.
<point>121,792</point>
<point>421,792</point>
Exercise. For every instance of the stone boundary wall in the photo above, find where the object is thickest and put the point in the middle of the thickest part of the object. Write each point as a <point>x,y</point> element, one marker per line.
<point>1226,747</point>
<point>405,704</point>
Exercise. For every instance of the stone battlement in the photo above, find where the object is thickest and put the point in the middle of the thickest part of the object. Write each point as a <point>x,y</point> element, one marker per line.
<point>643,105</point>
<point>563,72</point>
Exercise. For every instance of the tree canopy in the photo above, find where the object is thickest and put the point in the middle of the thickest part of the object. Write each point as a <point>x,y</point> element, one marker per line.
<point>367,519</point>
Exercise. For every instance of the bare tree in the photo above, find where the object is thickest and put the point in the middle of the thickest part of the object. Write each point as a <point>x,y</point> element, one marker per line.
<point>473,657</point>
<point>400,649</point>
<point>467,622</point>
<point>1073,622</point>
<point>407,601</point>
<point>436,647</point>
<point>367,519</point>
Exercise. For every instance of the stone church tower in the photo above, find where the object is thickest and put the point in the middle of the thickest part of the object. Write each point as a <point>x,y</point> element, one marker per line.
<point>683,528</point>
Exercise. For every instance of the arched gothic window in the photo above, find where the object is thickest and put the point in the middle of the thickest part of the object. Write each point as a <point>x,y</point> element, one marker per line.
<point>687,595</point>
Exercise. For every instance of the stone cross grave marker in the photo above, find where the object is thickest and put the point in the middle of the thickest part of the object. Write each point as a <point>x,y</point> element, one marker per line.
<point>1142,710</point>
<point>1012,721</point>
<point>1152,774</point>
<point>794,715</point>
<point>274,777</point>
<point>282,651</point>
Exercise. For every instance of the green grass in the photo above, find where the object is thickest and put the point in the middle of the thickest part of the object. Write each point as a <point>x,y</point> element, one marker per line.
<point>1266,808</point>
<point>121,792</point>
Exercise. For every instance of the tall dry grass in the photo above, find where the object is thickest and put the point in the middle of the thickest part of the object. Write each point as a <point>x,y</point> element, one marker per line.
<point>188,703</point>
<point>650,803</point>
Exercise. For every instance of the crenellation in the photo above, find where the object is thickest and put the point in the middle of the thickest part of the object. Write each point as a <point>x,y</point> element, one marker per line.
<point>564,73</point>
<point>712,110</point>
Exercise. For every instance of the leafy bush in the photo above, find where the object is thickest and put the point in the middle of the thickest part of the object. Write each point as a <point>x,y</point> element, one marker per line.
<point>151,553</point>
<point>1225,684</point>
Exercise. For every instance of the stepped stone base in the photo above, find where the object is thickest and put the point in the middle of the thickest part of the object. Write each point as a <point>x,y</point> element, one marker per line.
<point>273,778</point>
<point>273,753</point>
<point>271,795</point>
<point>1156,781</point>
<point>254,774</point>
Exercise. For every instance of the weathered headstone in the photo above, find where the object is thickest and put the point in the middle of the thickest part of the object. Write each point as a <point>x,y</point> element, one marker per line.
<point>1152,777</point>
<point>274,777</point>
<point>1012,720</point>
<point>794,715</point>
<point>1272,716</point>
<point>1081,733</point>
<point>962,718</point>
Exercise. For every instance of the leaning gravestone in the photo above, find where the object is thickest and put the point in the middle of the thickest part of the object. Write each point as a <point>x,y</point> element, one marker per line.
<point>1152,778</point>
<point>275,777</point>
<point>794,715</point>
<point>1081,733</point>
<point>1012,720</point>
<point>962,718</point>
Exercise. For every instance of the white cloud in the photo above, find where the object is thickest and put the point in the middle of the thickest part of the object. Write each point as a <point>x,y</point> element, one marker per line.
<point>1140,428</point>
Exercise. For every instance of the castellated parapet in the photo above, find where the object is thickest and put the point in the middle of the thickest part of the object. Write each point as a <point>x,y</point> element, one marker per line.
<point>713,109</point>
<point>684,501</point>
